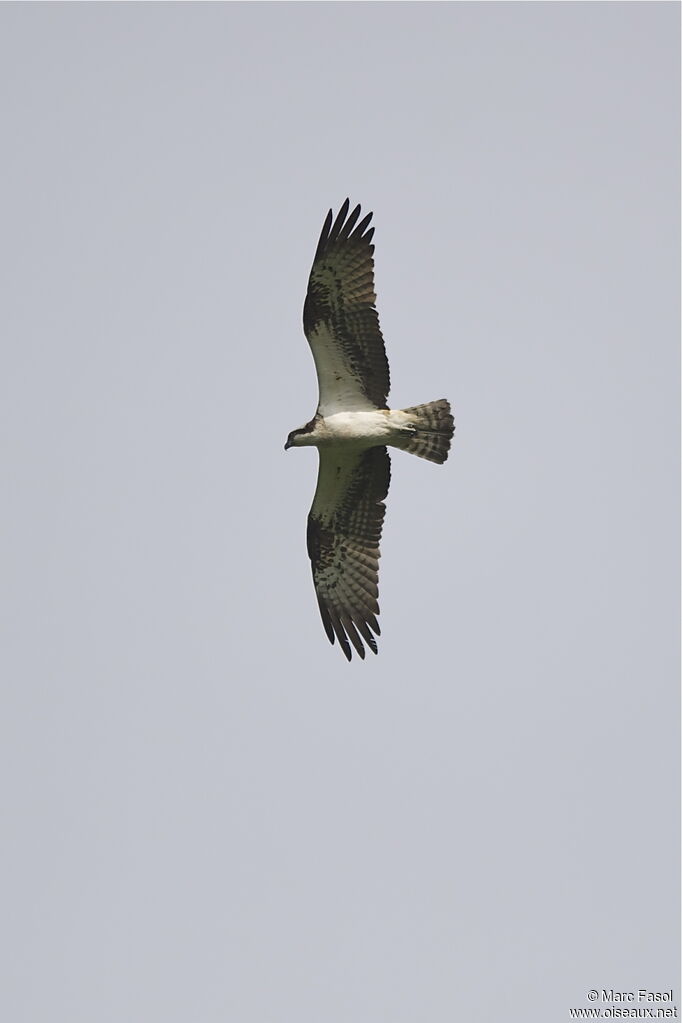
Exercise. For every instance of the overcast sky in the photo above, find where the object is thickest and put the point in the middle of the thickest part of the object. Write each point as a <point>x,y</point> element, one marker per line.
<point>207,813</point>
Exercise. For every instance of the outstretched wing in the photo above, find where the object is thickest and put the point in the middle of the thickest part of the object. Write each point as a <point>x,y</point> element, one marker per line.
<point>344,530</point>
<point>340,320</point>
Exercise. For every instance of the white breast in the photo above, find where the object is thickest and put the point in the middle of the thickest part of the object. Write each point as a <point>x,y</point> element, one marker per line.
<point>371,427</point>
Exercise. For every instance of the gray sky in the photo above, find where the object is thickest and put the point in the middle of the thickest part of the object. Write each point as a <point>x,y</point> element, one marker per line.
<point>208,814</point>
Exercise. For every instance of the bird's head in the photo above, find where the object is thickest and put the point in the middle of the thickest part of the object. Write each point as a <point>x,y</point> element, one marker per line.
<point>301,437</point>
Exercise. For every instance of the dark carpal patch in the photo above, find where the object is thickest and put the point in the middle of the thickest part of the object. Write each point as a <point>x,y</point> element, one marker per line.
<point>318,541</point>
<point>314,311</point>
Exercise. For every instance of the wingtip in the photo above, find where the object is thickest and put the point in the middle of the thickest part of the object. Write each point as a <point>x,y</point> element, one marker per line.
<point>345,206</point>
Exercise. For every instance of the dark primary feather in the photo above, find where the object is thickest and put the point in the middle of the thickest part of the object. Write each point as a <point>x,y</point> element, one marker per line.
<point>339,316</point>
<point>344,531</point>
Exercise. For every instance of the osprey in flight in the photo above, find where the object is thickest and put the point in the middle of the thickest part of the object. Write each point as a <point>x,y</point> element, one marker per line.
<point>351,430</point>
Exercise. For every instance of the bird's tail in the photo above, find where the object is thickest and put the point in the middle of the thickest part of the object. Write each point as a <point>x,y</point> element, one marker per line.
<point>432,427</point>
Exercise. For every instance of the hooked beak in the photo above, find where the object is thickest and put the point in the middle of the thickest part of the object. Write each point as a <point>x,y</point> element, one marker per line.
<point>287,446</point>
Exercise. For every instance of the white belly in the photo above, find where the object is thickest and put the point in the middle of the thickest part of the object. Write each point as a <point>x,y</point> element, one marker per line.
<point>366,429</point>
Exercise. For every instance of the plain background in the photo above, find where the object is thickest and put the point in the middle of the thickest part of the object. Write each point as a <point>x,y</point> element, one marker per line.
<point>208,814</point>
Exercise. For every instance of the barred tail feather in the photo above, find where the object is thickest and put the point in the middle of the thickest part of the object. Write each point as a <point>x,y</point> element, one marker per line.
<point>434,428</point>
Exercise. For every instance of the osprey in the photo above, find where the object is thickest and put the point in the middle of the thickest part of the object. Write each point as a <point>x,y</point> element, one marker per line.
<point>351,430</point>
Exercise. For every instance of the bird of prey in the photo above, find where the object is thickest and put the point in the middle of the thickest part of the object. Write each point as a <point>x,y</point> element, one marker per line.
<point>352,428</point>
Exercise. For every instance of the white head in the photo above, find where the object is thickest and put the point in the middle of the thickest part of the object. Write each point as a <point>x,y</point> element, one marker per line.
<point>302,437</point>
